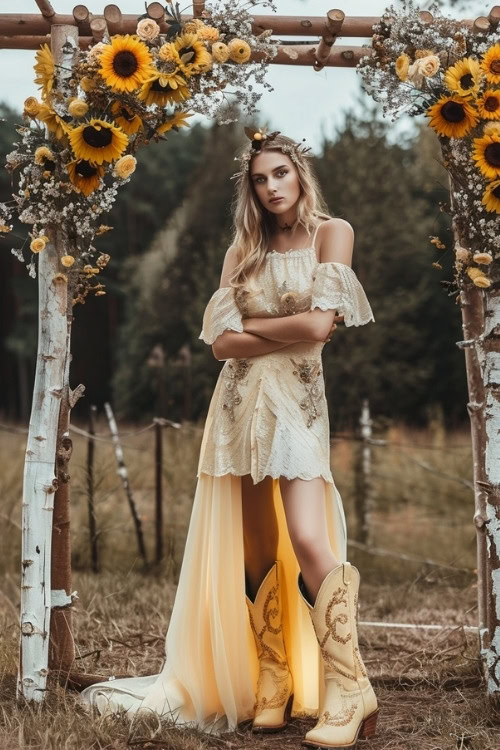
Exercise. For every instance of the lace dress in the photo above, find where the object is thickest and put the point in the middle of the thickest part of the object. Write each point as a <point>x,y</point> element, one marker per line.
<point>267,417</point>
<point>268,414</point>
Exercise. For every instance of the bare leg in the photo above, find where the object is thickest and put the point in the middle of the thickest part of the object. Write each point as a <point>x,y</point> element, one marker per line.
<point>260,530</point>
<point>304,503</point>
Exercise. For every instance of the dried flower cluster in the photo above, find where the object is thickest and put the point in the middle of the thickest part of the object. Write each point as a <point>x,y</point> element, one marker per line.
<point>444,69</point>
<point>100,105</point>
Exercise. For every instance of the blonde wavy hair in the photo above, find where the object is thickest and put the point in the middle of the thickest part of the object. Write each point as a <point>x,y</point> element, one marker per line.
<point>254,224</point>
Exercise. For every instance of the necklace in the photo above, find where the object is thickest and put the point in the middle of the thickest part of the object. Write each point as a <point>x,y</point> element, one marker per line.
<point>286,228</point>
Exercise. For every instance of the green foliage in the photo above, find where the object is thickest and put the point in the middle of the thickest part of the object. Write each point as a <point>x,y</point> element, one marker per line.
<point>407,361</point>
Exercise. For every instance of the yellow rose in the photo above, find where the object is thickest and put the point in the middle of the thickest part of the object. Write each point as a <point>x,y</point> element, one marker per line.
<point>32,106</point>
<point>60,277</point>
<point>423,53</point>
<point>125,166</point>
<point>461,253</point>
<point>484,258</point>
<point>474,273</point>
<point>192,27</point>
<point>402,65</point>
<point>482,281</point>
<point>239,51</point>
<point>208,33</point>
<point>42,153</point>
<point>492,128</point>
<point>78,108</point>
<point>87,84</point>
<point>220,52</point>
<point>67,261</point>
<point>169,53</point>
<point>147,29</point>
<point>96,50</point>
<point>428,66</point>
<point>4,228</point>
<point>37,245</point>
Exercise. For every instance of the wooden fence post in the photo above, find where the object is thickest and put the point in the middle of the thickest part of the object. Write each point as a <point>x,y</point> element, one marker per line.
<point>94,550</point>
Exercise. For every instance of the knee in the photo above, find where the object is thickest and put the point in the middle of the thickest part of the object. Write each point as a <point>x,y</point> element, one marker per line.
<point>306,546</point>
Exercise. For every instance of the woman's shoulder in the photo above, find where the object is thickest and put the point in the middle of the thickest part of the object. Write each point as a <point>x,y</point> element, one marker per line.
<point>335,239</point>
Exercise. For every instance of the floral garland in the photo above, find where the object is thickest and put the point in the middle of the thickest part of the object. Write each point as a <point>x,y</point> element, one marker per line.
<point>78,145</point>
<point>450,73</point>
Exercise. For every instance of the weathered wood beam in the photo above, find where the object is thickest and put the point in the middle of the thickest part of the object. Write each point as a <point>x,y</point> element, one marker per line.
<point>494,16</point>
<point>113,17</point>
<point>334,20</point>
<point>99,28</point>
<point>340,57</point>
<point>156,11</point>
<point>198,8</point>
<point>46,9</point>
<point>81,14</point>
<point>27,24</point>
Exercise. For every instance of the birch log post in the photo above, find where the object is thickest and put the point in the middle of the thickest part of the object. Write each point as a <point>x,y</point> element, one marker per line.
<point>491,368</point>
<point>40,472</point>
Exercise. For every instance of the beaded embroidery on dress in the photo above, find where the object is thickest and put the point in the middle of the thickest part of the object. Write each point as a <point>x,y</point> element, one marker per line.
<point>267,417</point>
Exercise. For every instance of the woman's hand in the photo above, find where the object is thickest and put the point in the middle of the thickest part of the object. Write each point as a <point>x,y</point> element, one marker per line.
<point>337,319</point>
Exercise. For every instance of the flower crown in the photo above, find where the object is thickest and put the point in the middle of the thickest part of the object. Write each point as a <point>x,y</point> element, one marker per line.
<point>257,138</point>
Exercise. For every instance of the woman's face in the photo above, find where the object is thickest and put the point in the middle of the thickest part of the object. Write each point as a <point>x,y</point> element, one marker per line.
<point>274,176</point>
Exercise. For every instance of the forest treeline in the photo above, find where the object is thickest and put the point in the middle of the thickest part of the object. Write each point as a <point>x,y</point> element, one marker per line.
<point>138,345</point>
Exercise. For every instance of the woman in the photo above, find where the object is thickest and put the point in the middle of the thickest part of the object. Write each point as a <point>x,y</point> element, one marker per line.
<point>250,637</point>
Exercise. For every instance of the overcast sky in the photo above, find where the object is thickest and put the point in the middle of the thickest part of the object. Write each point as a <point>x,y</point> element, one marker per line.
<point>304,103</point>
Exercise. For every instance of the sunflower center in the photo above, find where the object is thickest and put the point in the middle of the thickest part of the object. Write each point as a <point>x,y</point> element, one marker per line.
<point>187,51</point>
<point>467,81</point>
<point>97,138</point>
<point>452,112</point>
<point>156,86</point>
<point>49,165</point>
<point>492,154</point>
<point>85,169</point>
<point>125,63</point>
<point>129,116</point>
<point>496,192</point>
<point>495,66</point>
<point>491,103</point>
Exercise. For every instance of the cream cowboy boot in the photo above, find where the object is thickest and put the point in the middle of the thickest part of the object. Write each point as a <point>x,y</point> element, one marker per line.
<point>349,708</point>
<point>274,699</point>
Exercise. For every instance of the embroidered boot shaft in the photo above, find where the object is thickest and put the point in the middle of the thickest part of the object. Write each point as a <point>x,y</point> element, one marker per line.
<point>274,699</point>
<point>349,708</point>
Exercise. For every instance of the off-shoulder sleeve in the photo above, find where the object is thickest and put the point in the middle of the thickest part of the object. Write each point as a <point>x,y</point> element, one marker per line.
<point>221,314</point>
<point>336,287</point>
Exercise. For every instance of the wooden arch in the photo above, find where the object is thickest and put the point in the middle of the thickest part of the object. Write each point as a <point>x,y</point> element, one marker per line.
<point>29,31</point>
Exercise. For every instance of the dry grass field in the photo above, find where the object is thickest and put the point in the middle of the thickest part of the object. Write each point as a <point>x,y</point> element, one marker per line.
<point>417,564</point>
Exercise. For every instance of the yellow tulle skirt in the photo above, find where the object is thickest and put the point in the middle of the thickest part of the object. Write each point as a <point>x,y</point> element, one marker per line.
<point>210,672</point>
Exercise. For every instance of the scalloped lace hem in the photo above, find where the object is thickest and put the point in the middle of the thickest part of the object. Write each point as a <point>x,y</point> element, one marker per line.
<point>294,475</point>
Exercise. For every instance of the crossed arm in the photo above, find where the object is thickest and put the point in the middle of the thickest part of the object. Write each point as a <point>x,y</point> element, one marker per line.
<point>265,335</point>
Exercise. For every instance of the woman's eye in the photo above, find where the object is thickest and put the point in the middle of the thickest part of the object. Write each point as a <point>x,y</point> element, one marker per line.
<point>283,171</point>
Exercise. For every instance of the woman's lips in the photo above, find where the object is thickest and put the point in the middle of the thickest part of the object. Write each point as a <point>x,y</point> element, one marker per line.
<point>275,200</point>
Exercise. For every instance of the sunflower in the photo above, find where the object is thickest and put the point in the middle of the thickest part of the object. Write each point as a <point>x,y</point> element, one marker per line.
<point>45,69</point>
<point>489,105</point>
<point>487,155</point>
<point>175,122</point>
<point>464,77</point>
<point>168,53</point>
<point>98,141</point>
<point>55,124</point>
<point>452,117</point>
<point>490,64</point>
<point>84,175</point>
<point>125,118</point>
<point>491,197</point>
<point>163,89</point>
<point>125,63</point>
<point>192,53</point>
